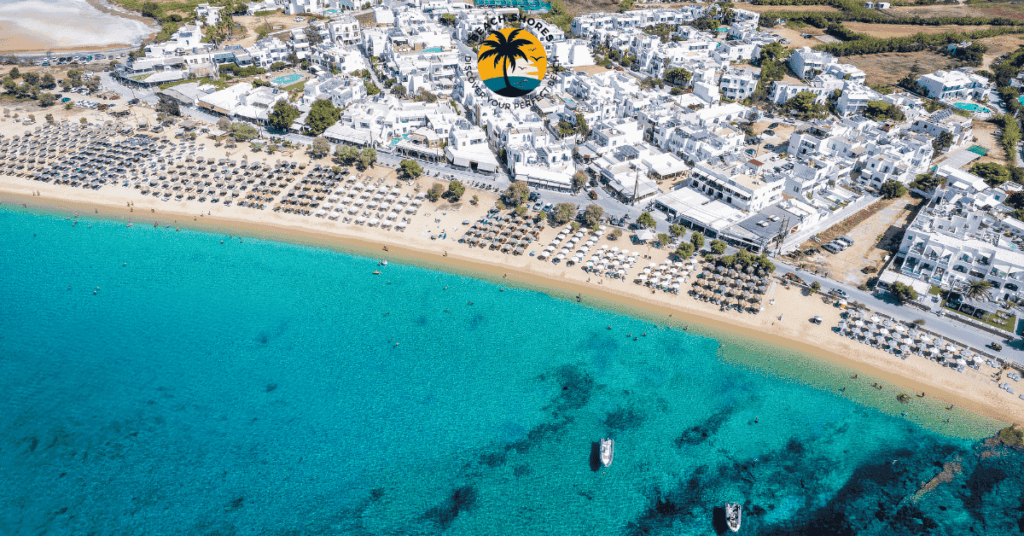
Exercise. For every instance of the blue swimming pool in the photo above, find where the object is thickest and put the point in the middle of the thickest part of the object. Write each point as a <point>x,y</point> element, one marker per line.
<point>287,79</point>
<point>970,107</point>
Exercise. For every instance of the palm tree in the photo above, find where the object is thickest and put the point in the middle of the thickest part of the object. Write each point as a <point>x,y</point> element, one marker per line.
<point>978,290</point>
<point>506,51</point>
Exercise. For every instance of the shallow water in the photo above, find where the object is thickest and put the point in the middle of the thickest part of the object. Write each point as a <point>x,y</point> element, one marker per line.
<point>258,387</point>
<point>72,23</point>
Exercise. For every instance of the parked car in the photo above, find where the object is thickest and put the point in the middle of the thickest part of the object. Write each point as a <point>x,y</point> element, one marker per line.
<point>133,101</point>
<point>831,247</point>
<point>838,291</point>
<point>769,132</point>
<point>773,125</point>
<point>846,240</point>
<point>769,146</point>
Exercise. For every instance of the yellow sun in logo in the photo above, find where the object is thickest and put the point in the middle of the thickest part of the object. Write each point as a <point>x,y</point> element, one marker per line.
<point>512,62</point>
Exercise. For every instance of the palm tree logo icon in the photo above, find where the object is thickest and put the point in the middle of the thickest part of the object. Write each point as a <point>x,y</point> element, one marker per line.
<point>512,62</point>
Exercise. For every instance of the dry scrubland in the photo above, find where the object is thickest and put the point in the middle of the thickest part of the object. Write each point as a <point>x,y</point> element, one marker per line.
<point>887,69</point>
<point>1009,11</point>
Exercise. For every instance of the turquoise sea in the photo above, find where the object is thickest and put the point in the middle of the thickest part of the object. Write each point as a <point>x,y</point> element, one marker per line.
<point>160,382</point>
<point>520,85</point>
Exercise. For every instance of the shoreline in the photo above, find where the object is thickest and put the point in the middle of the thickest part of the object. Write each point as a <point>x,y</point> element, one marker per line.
<point>683,309</point>
<point>26,43</point>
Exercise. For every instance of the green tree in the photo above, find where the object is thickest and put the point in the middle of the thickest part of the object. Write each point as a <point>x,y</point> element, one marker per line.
<point>685,250</point>
<point>883,111</point>
<point>319,148</point>
<point>506,52</point>
<point>774,52</point>
<point>46,99</point>
<point>942,142</point>
<point>893,189</point>
<point>322,114</point>
<point>168,105</point>
<point>435,192</point>
<point>676,230</point>
<point>517,193</point>
<point>581,125</point>
<point>646,220</point>
<point>993,173</point>
<point>243,132</point>
<point>979,290</point>
<point>592,216</point>
<point>664,239</point>
<point>902,293</point>
<point>49,118</point>
<point>815,286</point>
<point>371,88</point>
<point>718,247</point>
<point>697,239</point>
<point>579,180</point>
<point>456,190</point>
<point>399,91</point>
<point>31,78</point>
<point>367,157</point>
<point>283,115</point>
<point>410,168</point>
<point>14,73</point>
<point>563,213</point>
<point>346,154</point>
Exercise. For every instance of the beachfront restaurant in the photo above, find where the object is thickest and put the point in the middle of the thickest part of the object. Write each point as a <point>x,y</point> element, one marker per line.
<point>546,178</point>
<point>422,143</point>
<point>482,160</point>
<point>694,210</point>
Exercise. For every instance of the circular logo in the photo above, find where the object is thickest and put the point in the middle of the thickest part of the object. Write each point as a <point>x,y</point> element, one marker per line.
<point>512,62</point>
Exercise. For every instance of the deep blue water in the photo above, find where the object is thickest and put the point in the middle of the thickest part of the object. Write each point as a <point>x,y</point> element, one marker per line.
<point>255,387</point>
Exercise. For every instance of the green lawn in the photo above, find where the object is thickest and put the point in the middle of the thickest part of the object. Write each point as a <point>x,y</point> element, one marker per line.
<point>297,85</point>
<point>219,83</point>
<point>935,290</point>
<point>1009,324</point>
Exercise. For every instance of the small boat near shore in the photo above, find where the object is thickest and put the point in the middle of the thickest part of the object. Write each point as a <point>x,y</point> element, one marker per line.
<point>376,272</point>
<point>607,451</point>
<point>733,515</point>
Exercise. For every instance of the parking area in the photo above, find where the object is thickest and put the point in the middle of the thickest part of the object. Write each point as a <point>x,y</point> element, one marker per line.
<point>875,231</point>
<point>770,136</point>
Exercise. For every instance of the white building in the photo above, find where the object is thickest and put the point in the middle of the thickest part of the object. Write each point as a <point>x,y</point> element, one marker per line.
<point>268,51</point>
<point>959,127</point>
<point>208,15</point>
<point>953,85</point>
<point>739,184</point>
<point>738,84</point>
<point>805,61</point>
<point>963,236</point>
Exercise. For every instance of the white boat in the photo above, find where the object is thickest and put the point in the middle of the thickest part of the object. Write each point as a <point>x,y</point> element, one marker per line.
<point>733,515</point>
<point>607,451</point>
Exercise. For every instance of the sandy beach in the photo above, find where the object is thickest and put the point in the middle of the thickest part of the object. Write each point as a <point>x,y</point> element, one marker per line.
<point>35,26</point>
<point>971,390</point>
